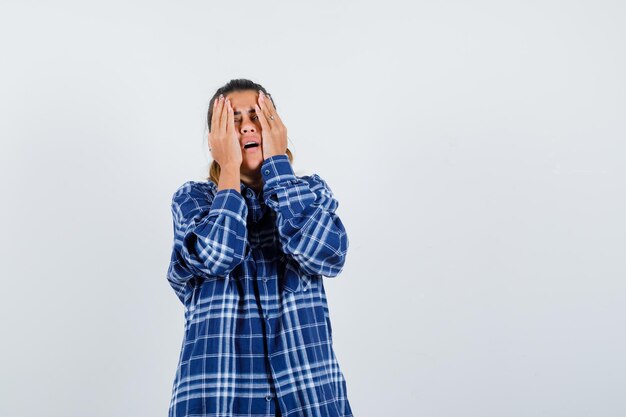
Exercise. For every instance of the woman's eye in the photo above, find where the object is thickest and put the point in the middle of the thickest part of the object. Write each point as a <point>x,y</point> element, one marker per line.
<point>253,118</point>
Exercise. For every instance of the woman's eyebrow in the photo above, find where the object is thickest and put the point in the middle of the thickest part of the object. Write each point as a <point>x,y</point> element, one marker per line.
<point>249,111</point>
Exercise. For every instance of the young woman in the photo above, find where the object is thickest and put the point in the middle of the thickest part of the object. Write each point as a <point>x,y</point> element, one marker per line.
<point>251,245</point>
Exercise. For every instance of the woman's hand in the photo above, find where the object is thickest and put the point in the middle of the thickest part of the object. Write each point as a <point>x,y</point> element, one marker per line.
<point>274,132</point>
<point>223,138</point>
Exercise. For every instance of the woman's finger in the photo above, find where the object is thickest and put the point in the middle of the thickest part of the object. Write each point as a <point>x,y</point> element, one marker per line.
<point>215,116</point>
<point>230,119</point>
<point>223,117</point>
<point>215,121</point>
<point>270,108</point>
<point>270,117</point>
<point>265,127</point>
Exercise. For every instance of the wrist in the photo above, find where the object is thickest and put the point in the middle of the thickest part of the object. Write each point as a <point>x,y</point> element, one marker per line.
<point>231,168</point>
<point>229,178</point>
<point>270,153</point>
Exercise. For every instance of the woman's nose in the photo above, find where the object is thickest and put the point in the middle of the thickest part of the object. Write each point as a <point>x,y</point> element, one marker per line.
<point>247,127</point>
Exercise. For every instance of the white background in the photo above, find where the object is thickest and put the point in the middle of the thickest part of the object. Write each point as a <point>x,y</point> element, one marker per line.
<point>477,150</point>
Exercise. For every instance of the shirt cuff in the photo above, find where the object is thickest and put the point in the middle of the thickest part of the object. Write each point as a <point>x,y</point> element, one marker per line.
<point>230,203</point>
<point>276,169</point>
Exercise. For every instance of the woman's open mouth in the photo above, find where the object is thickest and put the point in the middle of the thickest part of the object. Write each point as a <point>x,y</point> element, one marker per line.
<point>252,147</point>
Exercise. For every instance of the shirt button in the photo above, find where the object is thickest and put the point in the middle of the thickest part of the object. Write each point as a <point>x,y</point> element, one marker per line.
<point>265,279</point>
<point>249,193</point>
<point>267,172</point>
<point>268,398</point>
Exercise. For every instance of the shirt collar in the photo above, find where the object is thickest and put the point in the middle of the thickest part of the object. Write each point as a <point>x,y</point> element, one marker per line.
<point>247,191</point>
<point>256,206</point>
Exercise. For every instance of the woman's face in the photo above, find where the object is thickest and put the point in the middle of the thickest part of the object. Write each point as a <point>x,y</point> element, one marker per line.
<point>248,127</point>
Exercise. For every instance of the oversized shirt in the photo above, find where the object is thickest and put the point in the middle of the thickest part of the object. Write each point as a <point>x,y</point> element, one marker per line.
<point>248,269</point>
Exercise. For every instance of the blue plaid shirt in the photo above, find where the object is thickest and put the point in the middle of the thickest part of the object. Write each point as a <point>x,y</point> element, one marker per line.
<point>248,269</point>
